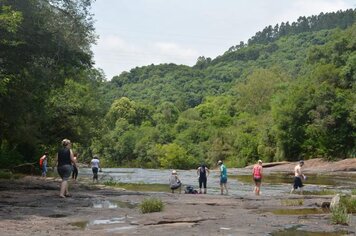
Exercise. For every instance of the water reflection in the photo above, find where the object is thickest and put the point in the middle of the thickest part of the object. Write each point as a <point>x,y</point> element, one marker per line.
<point>114,204</point>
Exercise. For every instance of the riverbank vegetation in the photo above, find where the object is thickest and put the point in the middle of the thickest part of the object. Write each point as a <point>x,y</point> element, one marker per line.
<point>288,93</point>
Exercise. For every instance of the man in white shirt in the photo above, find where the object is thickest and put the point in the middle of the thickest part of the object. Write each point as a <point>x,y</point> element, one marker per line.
<point>95,167</point>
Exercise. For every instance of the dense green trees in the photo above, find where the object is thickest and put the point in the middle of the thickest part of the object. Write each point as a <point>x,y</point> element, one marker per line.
<point>287,94</point>
<point>46,75</point>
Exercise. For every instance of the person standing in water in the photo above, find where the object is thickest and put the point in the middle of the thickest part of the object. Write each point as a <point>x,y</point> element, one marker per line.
<point>95,168</point>
<point>223,177</point>
<point>203,172</point>
<point>75,168</point>
<point>65,160</point>
<point>298,176</point>
<point>257,176</point>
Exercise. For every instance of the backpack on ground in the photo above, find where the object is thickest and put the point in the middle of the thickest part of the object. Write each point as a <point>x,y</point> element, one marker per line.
<point>190,190</point>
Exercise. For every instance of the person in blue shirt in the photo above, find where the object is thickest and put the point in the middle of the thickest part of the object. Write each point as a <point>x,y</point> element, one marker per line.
<point>223,177</point>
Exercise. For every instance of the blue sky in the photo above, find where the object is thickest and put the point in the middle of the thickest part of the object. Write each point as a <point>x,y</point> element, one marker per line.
<point>143,32</point>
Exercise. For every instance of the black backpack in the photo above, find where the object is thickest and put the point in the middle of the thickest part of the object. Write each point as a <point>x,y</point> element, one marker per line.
<point>190,190</point>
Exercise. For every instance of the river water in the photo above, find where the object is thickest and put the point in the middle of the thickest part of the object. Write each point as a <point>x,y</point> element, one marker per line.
<point>239,180</point>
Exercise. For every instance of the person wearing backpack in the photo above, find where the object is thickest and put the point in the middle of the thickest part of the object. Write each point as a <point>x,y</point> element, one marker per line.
<point>43,164</point>
<point>257,176</point>
<point>202,172</point>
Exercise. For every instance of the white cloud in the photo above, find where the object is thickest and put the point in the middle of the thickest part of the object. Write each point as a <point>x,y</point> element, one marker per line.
<point>308,8</point>
<point>114,54</point>
<point>176,51</point>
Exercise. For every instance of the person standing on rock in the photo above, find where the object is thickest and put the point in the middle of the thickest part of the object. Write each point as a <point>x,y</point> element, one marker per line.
<point>298,176</point>
<point>223,177</point>
<point>257,176</point>
<point>95,168</point>
<point>65,160</point>
<point>203,172</point>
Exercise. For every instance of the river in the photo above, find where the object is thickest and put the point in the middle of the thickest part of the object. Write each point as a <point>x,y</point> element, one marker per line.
<point>239,180</point>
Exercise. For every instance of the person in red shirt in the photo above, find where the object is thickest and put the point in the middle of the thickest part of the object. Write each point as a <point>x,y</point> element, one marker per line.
<point>257,176</point>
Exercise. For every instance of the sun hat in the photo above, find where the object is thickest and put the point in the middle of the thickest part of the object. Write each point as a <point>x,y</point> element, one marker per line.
<point>260,161</point>
<point>174,172</point>
<point>220,162</point>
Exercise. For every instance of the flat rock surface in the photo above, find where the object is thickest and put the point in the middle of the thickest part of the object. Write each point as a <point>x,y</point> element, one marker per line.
<point>31,206</point>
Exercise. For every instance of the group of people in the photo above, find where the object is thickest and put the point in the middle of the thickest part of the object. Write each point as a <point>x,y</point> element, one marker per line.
<point>202,173</point>
<point>67,166</point>
<point>257,171</point>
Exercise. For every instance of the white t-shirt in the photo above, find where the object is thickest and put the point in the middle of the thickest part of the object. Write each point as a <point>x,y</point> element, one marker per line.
<point>95,163</point>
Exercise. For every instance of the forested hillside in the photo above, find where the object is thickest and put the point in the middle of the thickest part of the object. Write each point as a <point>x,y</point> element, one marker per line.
<point>288,93</point>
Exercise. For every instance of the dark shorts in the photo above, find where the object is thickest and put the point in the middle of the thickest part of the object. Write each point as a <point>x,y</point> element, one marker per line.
<point>257,180</point>
<point>297,183</point>
<point>175,186</point>
<point>202,182</point>
<point>64,171</point>
<point>95,172</point>
<point>223,180</point>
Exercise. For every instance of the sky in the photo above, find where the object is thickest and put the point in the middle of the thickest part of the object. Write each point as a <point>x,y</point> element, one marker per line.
<point>135,33</point>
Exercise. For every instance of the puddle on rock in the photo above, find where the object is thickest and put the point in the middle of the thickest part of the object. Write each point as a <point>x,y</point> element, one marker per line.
<point>114,204</point>
<point>300,211</point>
<point>80,224</point>
<point>120,220</point>
<point>123,228</point>
<point>84,224</point>
<point>140,186</point>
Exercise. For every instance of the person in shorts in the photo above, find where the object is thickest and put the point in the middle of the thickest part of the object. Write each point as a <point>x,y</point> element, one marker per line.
<point>203,172</point>
<point>257,176</point>
<point>298,176</point>
<point>65,160</point>
<point>223,177</point>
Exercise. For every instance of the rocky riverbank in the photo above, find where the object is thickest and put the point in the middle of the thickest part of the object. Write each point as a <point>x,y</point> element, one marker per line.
<point>31,206</point>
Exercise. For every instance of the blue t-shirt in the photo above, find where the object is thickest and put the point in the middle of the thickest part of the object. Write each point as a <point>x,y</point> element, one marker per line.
<point>223,171</point>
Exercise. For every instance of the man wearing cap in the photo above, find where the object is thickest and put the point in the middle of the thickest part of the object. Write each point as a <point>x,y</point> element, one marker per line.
<point>223,177</point>
<point>298,175</point>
